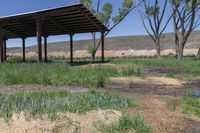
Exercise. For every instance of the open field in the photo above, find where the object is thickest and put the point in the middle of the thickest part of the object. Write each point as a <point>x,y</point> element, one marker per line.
<point>139,95</point>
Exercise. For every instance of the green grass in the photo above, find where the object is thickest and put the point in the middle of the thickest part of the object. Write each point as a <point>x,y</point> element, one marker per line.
<point>60,74</point>
<point>51,103</point>
<point>190,67</point>
<point>191,105</point>
<point>170,75</point>
<point>126,124</point>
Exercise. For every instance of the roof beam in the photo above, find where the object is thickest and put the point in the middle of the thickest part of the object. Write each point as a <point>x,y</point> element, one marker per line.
<point>89,18</point>
<point>68,30</point>
<point>14,32</point>
<point>26,25</point>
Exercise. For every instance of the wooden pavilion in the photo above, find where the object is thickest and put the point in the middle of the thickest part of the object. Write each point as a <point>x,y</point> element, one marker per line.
<point>69,20</point>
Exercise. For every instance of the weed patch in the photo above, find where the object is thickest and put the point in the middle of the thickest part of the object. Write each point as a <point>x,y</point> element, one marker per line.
<point>191,105</point>
<point>38,104</point>
<point>126,124</point>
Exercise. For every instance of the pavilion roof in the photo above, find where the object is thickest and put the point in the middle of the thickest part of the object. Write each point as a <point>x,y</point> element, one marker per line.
<point>56,21</point>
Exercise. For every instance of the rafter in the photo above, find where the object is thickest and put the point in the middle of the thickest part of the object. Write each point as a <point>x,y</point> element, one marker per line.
<point>14,32</point>
<point>89,18</point>
<point>68,30</point>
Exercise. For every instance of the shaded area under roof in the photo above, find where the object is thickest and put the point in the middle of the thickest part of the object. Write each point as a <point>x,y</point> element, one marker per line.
<point>57,21</point>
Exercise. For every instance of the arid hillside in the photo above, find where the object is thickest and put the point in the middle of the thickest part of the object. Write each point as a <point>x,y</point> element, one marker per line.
<point>118,46</point>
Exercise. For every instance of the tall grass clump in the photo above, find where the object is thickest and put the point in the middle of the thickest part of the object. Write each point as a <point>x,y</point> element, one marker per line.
<point>131,70</point>
<point>191,105</point>
<point>58,74</point>
<point>189,67</point>
<point>50,103</point>
<point>125,124</point>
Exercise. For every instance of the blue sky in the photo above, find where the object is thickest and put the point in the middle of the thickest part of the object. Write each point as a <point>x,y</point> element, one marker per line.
<point>130,26</point>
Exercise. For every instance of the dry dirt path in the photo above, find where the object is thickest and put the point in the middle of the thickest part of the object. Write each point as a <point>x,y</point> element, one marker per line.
<point>157,101</point>
<point>164,114</point>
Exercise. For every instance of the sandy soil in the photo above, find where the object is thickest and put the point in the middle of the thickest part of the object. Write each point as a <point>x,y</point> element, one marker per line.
<point>149,80</point>
<point>66,123</point>
<point>158,101</point>
<point>164,114</point>
<point>110,53</point>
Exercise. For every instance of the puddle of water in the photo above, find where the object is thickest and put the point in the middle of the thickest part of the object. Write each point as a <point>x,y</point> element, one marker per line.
<point>196,93</point>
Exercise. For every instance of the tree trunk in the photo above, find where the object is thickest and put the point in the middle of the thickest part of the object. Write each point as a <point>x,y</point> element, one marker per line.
<point>157,42</point>
<point>158,50</point>
<point>94,44</point>
<point>93,56</point>
<point>176,43</point>
<point>177,50</point>
<point>198,54</point>
<point>180,54</point>
<point>180,51</point>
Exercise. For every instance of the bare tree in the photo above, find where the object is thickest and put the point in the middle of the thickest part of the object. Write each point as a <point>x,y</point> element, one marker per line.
<point>154,16</point>
<point>185,21</point>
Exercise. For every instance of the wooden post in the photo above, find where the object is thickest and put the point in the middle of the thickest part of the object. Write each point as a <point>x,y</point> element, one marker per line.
<point>1,50</point>
<point>23,49</point>
<point>1,45</point>
<point>102,46</point>
<point>39,38</point>
<point>198,54</point>
<point>5,49</point>
<point>45,48</point>
<point>71,49</point>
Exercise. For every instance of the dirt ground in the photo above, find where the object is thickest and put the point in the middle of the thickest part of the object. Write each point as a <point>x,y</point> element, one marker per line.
<point>164,114</point>
<point>157,101</point>
<point>65,123</point>
<point>153,86</point>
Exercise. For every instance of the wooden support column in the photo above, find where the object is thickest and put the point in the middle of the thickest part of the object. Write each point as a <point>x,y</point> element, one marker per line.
<point>71,49</point>
<point>23,49</point>
<point>1,45</point>
<point>45,48</point>
<point>102,46</point>
<point>39,38</point>
<point>5,49</point>
<point>1,50</point>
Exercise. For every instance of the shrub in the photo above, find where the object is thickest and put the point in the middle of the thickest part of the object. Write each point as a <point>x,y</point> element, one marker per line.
<point>90,49</point>
<point>126,124</point>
